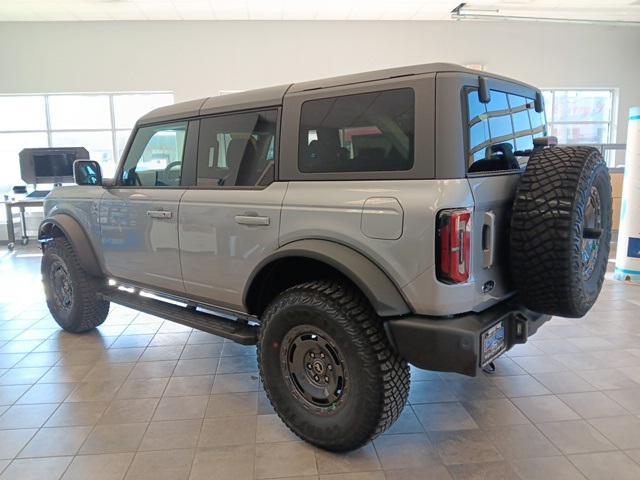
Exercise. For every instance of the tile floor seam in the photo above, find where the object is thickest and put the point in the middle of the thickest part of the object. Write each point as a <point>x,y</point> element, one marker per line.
<point>137,450</point>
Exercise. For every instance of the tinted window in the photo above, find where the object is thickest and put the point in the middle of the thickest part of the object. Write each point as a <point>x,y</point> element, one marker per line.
<point>368,132</point>
<point>237,150</point>
<point>501,131</point>
<point>155,156</point>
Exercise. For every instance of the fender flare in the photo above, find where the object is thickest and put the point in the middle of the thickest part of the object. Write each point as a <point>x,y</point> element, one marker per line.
<point>73,231</point>
<point>384,295</point>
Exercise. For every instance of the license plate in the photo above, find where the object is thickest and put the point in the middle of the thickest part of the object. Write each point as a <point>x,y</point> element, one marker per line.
<point>493,343</point>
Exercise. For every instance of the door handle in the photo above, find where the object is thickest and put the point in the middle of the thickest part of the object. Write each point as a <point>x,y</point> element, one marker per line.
<point>252,220</point>
<point>159,214</point>
<point>488,239</point>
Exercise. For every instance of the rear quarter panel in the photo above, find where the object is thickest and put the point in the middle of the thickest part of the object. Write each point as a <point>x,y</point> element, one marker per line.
<point>334,211</point>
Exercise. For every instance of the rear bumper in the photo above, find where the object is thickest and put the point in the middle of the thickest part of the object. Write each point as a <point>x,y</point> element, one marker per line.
<point>453,344</point>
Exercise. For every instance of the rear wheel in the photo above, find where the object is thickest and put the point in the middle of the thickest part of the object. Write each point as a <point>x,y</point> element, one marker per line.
<point>561,230</point>
<point>71,293</point>
<point>327,367</point>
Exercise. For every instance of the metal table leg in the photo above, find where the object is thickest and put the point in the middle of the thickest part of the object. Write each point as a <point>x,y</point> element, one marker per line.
<point>11,235</point>
<point>23,226</point>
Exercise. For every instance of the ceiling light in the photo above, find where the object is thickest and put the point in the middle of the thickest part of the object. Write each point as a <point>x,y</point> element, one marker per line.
<point>463,9</point>
<point>462,12</point>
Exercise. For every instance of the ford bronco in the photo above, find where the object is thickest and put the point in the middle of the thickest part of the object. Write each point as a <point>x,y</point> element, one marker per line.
<point>348,227</point>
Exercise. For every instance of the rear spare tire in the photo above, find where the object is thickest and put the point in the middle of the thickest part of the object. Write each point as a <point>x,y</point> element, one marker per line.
<point>560,230</point>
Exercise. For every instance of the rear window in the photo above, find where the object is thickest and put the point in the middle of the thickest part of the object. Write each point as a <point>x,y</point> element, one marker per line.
<point>368,132</point>
<point>501,132</point>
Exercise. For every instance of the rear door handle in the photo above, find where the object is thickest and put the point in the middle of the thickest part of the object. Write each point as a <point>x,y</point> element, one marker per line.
<point>253,220</point>
<point>488,239</point>
<point>159,214</point>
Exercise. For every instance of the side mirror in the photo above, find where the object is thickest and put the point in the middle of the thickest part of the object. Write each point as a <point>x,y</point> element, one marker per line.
<point>87,172</point>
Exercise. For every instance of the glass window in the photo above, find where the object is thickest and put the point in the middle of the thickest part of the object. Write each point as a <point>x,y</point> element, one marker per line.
<point>573,133</point>
<point>521,121</point>
<point>21,113</point>
<point>582,105</point>
<point>477,109</point>
<point>86,120</point>
<point>11,144</point>
<point>537,119</point>
<point>480,134</point>
<point>500,126</point>
<point>498,102</point>
<point>98,144</point>
<point>500,136</point>
<point>581,117</point>
<point>122,137</point>
<point>524,142</point>
<point>237,150</point>
<point>79,112</point>
<point>128,108</point>
<point>155,157</point>
<point>358,133</point>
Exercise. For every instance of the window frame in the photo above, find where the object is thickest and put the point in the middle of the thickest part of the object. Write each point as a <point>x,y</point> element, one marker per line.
<point>423,168</point>
<point>610,122</point>
<point>276,148</point>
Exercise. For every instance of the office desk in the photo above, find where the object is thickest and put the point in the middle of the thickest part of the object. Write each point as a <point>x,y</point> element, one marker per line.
<point>21,202</point>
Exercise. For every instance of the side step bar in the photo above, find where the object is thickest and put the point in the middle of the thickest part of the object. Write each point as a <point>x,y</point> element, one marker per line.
<point>235,330</point>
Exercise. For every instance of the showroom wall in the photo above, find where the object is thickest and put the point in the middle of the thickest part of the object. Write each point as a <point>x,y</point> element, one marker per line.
<point>195,59</point>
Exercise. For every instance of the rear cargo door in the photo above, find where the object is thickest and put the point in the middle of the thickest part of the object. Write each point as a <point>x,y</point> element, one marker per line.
<point>499,138</point>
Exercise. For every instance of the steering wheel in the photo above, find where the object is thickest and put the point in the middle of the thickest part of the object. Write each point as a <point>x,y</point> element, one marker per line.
<point>173,175</point>
<point>171,166</point>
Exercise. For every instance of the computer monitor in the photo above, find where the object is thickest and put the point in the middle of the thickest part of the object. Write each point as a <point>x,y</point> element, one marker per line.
<point>50,165</point>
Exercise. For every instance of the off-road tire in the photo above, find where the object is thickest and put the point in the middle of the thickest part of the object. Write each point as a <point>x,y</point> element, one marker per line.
<point>378,380</point>
<point>87,310</point>
<point>547,229</point>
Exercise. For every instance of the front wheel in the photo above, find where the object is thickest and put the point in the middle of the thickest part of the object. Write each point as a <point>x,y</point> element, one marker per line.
<point>71,293</point>
<point>327,367</point>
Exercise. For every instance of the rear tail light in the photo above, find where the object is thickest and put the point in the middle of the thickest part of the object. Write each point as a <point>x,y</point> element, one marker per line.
<point>453,240</point>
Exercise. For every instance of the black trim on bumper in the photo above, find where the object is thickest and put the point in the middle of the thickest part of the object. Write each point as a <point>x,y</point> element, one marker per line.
<point>452,344</point>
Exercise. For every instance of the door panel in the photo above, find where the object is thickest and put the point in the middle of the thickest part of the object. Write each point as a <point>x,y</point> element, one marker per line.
<point>139,216</point>
<point>224,234</point>
<point>493,196</point>
<point>140,236</point>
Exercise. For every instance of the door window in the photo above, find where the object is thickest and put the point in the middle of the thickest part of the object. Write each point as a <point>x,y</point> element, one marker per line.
<point>155,157</point>
<point>237,150</point>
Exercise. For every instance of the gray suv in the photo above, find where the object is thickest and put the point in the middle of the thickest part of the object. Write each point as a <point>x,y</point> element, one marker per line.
<point>348,227</point>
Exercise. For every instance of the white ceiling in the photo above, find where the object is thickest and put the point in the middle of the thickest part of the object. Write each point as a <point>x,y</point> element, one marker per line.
<point>56,10</point>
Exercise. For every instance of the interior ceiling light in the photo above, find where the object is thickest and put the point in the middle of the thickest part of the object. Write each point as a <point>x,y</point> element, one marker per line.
<point>468,10</point>
<point>464,12</point>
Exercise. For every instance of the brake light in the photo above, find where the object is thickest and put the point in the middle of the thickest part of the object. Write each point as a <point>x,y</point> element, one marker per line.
<point>454,245</point>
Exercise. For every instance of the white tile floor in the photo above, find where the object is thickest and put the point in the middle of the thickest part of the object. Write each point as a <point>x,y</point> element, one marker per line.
<point>141,398</point>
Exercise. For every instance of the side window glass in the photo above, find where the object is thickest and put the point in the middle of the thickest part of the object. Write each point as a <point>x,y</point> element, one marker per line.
<point>499,116</point>
<point>237,150</point>
<point>501,132</point>
<point>368,132</point>
<point>155,157</point>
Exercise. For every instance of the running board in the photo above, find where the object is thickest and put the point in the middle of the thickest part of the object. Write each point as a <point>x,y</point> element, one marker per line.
<point>235,330</point>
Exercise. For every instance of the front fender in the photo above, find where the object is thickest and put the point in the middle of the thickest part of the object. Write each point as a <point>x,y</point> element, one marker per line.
<point>381,292</point>
<point>76,235</point>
